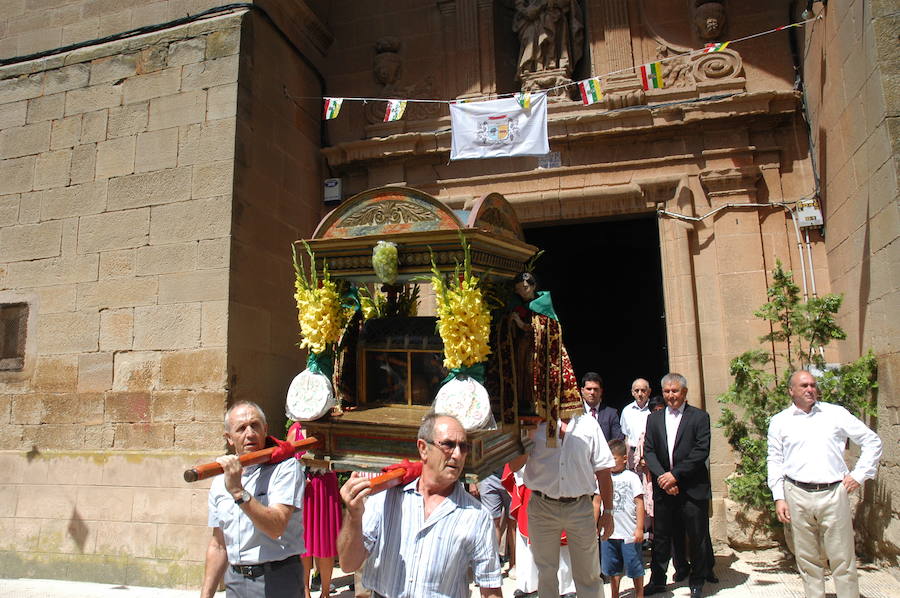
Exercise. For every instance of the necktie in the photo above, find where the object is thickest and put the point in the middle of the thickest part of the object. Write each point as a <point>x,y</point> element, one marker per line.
<point>594,412</point>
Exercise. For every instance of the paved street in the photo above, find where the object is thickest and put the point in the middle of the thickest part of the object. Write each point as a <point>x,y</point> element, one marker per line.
<point>742,575</point>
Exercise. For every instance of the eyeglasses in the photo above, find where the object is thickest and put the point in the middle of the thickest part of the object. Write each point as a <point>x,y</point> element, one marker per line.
<point>448,446</point>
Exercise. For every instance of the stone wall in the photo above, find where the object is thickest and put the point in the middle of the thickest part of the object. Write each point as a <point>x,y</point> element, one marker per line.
<point>116,168</point>
<point>852,78</point>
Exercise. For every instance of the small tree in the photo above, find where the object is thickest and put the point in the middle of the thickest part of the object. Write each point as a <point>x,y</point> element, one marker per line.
<point>800,331</point>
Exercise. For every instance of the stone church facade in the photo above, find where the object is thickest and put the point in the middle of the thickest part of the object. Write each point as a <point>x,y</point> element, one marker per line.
<point>151,183</point>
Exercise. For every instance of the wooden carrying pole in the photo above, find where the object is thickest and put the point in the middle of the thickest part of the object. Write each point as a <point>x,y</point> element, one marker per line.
<point>208,470</point>
<point>387,480</point>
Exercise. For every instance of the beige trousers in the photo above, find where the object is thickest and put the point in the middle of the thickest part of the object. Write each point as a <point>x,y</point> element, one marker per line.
<point>823,531</point>
<point>546,521</point>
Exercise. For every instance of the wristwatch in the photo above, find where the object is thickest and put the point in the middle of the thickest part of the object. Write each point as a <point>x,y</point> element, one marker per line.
<point>245,497</point>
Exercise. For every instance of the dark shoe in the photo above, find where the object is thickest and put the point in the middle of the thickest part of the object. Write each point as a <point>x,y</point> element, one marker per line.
<point>654,588</point>
<point>681,575</point>
<point>711,577</point>
<point>696,592</point>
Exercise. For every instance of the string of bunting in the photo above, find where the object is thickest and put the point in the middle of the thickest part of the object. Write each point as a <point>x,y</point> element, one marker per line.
<point>591,89</point>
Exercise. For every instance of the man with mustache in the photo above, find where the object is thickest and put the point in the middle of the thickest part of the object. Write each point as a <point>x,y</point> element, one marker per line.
<point>420,539</point>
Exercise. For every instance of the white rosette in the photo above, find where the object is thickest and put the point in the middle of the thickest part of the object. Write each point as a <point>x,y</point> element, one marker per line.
<point>309,397</point>
<point>467,400</point>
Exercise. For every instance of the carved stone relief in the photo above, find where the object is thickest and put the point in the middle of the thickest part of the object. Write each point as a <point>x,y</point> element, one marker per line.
<point>387,68</point>
<point>709,19</point>
<point>551,40</point>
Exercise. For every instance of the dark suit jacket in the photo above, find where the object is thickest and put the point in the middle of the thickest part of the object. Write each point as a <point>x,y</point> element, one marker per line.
<point>608,418</point>
<point>690,453</point>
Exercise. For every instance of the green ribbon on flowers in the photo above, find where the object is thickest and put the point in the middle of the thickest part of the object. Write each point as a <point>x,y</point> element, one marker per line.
<point>321,363</point>
<point>472,371</point>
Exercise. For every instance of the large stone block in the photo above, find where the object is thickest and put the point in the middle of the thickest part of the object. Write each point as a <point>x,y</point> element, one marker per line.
<point>177,110</point>
<point>208,142</point>
<point>117,292</point>
<point>117,264</point>
<point>196,369</point>
<point>127,407</point>
<point>156,150</point>
<point>46,107</point>
<point>82,408</point>
<point>214,253</point>
<point>113,230</point>
<point>221,102</point>
<point>95,374</point>
<point>191,221</point>
<point>116,329</point>
<point>25,140</point>
<point>36,502</point>
<point>115,157</point>
<point>53,271</point>
<point>154,85</point>
<point>198,436</point>
<point>9,210</point>
<point>130,119</point>
<point>93,126</point>
<point>144,436</point>
<point>153,58</point>
<point>17,175</point>
<point>214,324</point>
<point>187,52</point>
<point>105,503</point>
<point>113,68</point>
<point>164,505</point>
<point>172,406</point>
<point>13,115</point>
<point>210,73</point>
<point>221,43</point>
<point>54,437</point>
<point>199,285</point>
<point>175,326</point>
<point>213,179</point>
<point>65,132</point>
<point>136,371</point>
<point>210,407</point>
<point>67,78</point>
<point>163,186</point>
<point>30,241</point>
<point>27,409</point>
<point>23,87</point>
<point>84,161</point>
<point>97,97</point>
<point>125,537</point>
<point>74,332</point>
<point>52,169</point>
<point>166,259</point>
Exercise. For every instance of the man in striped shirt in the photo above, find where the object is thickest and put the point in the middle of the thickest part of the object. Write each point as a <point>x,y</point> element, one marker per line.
<point>420,540</point>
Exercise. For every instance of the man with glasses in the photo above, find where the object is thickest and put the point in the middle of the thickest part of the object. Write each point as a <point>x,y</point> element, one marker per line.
<point>634,417</point>
<point>420,540</point>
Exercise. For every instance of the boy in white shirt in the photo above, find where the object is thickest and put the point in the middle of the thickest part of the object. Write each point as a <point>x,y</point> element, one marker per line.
<point>621,554</point>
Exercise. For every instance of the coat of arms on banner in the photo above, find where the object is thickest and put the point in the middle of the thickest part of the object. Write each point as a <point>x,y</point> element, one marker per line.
<point>497,130</point>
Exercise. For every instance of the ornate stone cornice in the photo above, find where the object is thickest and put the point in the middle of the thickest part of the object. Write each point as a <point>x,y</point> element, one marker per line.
<point>570,121</point>
<point>731,182</point>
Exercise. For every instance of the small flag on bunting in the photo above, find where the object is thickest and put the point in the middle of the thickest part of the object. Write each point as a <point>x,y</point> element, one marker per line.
<point>524,100</point>
<point>332,107</point>
<point>590,91</point>
<point>651,75</point>
<point>395,109</point>
<point>783,27</point>
<point>715,47</point>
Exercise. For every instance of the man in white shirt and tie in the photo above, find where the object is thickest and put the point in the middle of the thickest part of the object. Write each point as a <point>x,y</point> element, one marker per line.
<point>810,483</point>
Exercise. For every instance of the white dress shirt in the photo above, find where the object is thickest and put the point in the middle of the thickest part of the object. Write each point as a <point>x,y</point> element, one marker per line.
<point>633,422</point>
<point>673,420</point>
<point>567,470</point>
<point>411,556</point>
<point>809,447</point>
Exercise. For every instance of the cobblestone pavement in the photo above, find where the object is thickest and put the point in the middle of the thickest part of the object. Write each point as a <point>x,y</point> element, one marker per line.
<point>762,574</point>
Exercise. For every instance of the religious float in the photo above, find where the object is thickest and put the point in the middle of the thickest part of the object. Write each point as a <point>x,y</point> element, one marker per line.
<point>492,355</point>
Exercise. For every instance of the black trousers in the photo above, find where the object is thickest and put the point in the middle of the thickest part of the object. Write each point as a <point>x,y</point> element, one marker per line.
<point>675,517</point>
<point>285,581</point>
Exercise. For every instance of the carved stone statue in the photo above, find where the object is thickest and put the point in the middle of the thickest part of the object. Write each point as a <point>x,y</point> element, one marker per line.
<point>709,20</point>
<point>551,35</point>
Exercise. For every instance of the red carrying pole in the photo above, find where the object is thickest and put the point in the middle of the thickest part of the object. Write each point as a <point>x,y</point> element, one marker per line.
<point>208,470</point>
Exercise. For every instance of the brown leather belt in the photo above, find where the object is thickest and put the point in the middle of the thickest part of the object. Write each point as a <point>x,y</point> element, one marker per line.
<point>809,487</point>
<point>254,571</point>
<point>562,499</point>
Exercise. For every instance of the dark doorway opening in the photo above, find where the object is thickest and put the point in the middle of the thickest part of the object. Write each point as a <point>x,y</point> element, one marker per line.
<point>606,282</point>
